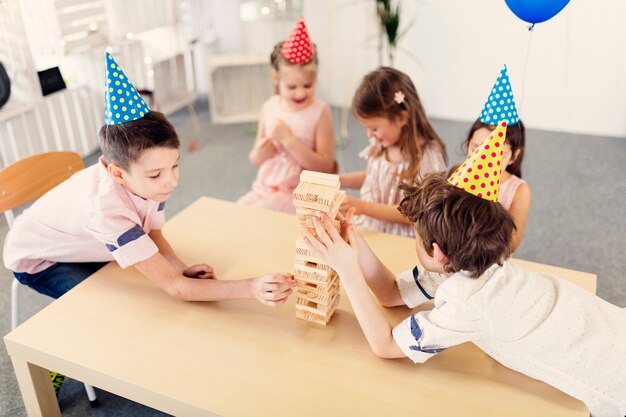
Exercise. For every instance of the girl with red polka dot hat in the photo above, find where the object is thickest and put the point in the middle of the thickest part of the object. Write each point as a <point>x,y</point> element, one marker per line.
<point>404,146</point>
<point>514,191</point>
<point>295,130</point>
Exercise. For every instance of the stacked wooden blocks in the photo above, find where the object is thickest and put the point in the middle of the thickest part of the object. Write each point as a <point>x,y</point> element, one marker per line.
<point>317,293</point>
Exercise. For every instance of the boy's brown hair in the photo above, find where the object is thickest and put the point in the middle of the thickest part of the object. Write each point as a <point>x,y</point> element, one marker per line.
<point>472,232</point>
<point>123,143</point>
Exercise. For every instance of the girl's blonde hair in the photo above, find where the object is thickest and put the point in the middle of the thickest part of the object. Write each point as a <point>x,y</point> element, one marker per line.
<point>277,60</point>
<point>376,97</point>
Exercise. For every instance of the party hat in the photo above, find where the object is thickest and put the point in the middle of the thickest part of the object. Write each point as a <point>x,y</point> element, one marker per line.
<point>500,104</point>
<point>480,173</point>
<point>298,48</point>
<point>122,102</point>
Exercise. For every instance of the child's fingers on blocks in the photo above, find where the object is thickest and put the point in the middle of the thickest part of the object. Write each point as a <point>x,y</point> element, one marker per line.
<point>322,234</point>
<point>279,286</point>
<point>330,228</point>
<point>277,296</point>
<point>316,246</point>
<point>282,277</point>
<point>350,215</point>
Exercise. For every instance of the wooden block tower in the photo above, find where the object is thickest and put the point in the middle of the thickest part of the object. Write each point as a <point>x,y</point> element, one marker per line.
<point>317,293</point>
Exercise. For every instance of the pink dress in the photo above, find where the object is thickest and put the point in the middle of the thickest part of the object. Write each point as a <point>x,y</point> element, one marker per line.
<point>279,175</point>
<point>381,186</point>
<point>508,189</point>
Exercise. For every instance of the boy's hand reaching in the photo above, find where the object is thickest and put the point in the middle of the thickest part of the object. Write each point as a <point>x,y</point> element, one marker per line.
<point>330,247</point>
<point>201,271</point>
<point>273,289</point>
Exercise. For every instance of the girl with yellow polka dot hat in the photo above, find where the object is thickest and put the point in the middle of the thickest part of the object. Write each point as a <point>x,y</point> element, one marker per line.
<point>122,102</point>
<point>514,192</point>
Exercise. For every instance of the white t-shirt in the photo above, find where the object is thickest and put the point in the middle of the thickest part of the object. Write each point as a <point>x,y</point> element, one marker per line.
<point>87,218</point>
<point>534,323</point>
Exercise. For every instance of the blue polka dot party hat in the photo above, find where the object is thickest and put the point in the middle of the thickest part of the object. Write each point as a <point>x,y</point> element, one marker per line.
<point>122,102</point>
<point>500,105</point>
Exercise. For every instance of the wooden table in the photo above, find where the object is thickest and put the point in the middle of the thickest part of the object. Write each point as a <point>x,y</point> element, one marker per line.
<point>123,334</point>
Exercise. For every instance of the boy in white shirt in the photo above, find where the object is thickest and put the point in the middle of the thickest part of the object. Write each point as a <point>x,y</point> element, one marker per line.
<point>534,323</point>
<point>113,210</point>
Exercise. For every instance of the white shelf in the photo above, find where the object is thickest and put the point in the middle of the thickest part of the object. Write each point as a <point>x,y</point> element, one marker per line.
<point>173,105</point>
<point>238,85</point>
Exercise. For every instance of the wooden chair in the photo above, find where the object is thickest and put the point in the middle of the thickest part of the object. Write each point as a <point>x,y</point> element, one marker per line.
<point>25,181</point>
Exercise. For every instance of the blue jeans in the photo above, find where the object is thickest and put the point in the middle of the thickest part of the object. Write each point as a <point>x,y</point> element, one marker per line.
<point>59,278</point>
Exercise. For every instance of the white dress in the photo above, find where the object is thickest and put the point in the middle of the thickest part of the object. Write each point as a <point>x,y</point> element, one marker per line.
<point>382,181</point>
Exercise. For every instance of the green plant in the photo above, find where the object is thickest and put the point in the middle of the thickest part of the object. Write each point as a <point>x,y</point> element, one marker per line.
<point>389,20</point>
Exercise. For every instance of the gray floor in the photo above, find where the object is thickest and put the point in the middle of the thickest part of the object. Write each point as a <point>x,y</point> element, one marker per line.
<point>577,218</point>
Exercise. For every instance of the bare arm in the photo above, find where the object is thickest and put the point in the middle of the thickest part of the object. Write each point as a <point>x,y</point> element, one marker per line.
<point>271,290</point>
<point>519,212</point>
<point>263,147</point>
<point>343,257</point>
<point>353,180</point>
<point>322,157</point>
<point>379,278</point>
<point>385,212</point>
<point>166,250</point>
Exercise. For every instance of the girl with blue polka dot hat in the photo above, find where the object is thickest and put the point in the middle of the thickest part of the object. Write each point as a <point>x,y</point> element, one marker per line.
<point>514,192</point>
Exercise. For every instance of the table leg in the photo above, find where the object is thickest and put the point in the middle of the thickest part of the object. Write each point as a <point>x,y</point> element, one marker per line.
<point>36,388</point>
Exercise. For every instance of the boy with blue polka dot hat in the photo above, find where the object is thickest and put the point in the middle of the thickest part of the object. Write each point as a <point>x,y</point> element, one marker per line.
<point>114,211</point>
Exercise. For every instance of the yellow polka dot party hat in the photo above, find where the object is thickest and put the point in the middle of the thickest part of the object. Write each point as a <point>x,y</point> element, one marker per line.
<point>122,102</point>
<point>480,173</point>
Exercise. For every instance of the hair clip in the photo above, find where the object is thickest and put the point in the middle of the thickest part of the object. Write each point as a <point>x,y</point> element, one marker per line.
<point>398,97</point>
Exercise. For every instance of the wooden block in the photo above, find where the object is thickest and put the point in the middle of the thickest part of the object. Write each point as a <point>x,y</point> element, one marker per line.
<point>319,178</point>
<point>314,272</point>
<point>311,317</point>
<point>321,310</point>
<point>323,289</point>
<point>315,196</point>
<point>301,230</point>
<point>304,293</point>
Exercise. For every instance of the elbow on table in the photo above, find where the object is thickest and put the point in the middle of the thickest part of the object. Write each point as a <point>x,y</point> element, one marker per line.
<point>385,349</point>
<point>177,291</point>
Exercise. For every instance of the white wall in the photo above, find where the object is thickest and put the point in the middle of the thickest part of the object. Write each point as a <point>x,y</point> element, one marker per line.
<point>575,78</point>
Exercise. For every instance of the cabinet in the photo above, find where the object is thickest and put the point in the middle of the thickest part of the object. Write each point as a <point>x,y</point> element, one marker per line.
<point>238,85</point>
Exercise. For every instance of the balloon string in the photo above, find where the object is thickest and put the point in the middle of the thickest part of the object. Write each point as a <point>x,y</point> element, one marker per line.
<point>530,38</point>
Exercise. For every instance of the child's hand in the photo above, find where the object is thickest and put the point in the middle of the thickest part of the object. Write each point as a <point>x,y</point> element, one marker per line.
<point>281,132</point>
<point>346,222</point>
<point>266,149</point>
<point>351,202</point>
<point>330,247</point>
<point>273,289</point>
<point>202,271</point>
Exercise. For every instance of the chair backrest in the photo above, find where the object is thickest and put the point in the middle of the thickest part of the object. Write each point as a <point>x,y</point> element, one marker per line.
<point>32,177</point>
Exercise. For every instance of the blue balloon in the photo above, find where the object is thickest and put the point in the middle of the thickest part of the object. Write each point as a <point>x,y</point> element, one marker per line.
<point>536,11</point>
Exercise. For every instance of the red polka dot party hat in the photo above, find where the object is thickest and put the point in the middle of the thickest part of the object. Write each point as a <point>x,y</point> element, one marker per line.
<point>298,48</point>
<point>480,173</point>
